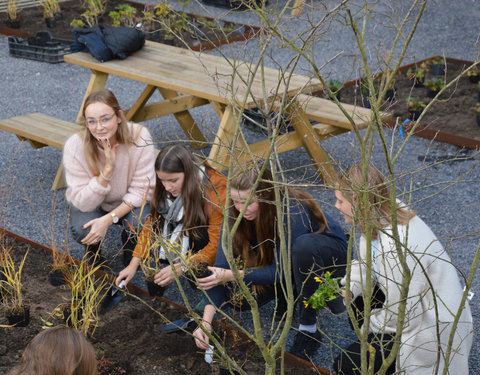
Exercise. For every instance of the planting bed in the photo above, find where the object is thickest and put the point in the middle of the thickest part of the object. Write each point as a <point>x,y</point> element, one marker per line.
<point>453,114</point>
<point>31,21</point>
<point>128,335</point>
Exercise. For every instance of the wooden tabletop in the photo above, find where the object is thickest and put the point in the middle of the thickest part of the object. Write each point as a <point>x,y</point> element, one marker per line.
<point>199,74</point>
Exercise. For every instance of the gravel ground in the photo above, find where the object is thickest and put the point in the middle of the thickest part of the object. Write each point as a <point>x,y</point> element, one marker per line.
<point>31,209</point>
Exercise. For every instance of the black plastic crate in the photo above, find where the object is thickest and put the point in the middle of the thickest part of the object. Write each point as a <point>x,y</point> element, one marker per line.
<point>41,47</point>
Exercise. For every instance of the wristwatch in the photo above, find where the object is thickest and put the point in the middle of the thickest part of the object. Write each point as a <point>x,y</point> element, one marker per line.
<point>114,217</point>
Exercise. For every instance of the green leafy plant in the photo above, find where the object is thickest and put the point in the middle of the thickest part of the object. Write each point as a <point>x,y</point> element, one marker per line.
<point>125,15</point>
<point>434,84</point>
<point>335,86</point>
<point>436,61</point>
<point>328,289</point>
<point>476,108</point>
<point>474,72</point>
<point>418,72</point>
<point>77,23</point>
<point>415,104</point>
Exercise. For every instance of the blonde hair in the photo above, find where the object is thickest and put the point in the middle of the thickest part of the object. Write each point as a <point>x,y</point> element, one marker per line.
<point>57,351</point>
<point>379,202</point>
<point>123,133</point>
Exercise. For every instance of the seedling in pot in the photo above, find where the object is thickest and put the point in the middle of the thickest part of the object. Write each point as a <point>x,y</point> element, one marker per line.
<point>417,74</point>
<point>434,85</point>
<point>17,313</point>
<point>60,262</point>
<point>335,86</point>
<point>415,107</point>
<point>88,292</point>
<point>437,66</point>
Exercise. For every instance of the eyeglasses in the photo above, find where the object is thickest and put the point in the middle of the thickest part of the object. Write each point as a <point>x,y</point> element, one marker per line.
<point>104,120</point>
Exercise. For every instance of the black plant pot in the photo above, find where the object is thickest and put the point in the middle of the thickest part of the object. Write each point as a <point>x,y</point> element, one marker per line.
<point>390,95</point>
<point>226,371</point>
<point>336,305</point>
<point>58,16</point>
<point>438,69</point>
<point>417,82</point>
<point>154,289</point>
<point>474,79</point>
<point>478,99</point>
<point>431,93</point>
<point>51,22</point>
<point>413,115</point>
<point>67,315</point>
<point>200,274</point>
<point>365,101</point>
<point>19,319</point>
<point>478,120</point>
<point>13,24</point>
<point>56,278</point>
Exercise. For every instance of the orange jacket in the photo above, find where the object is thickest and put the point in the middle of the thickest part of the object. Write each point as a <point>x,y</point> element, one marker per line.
<point>215,217</point>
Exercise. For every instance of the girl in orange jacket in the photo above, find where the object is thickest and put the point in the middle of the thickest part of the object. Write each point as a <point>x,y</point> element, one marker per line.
<point>187,208</point>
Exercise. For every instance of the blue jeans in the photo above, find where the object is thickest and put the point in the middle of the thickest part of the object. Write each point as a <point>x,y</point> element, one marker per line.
<point>315,252</point>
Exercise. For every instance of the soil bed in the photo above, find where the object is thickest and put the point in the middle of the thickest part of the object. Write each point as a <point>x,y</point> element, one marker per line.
<point>128,335</point>
<point>452,114</point>
<point>31,21</point>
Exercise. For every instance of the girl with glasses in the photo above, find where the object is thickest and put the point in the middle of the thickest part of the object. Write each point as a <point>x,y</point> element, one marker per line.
<point>110,175</point>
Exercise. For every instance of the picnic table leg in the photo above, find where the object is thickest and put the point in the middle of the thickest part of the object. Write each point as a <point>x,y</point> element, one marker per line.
<point>97,82</point>
<point>311,142</point>
<point>59,181</point>
<point>186,121</point>
<point>140,103</point>
<point>222,148</point>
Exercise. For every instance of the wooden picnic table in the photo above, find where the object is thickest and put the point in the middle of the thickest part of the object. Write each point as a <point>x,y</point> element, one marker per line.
<point>187,79</point>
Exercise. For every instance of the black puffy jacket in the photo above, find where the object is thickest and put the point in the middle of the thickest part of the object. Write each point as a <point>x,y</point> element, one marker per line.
<point>107,43</point>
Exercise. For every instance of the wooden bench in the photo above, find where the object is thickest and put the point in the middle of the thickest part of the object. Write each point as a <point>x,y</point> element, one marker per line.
<point>41,130</point>
<point>328,121</point>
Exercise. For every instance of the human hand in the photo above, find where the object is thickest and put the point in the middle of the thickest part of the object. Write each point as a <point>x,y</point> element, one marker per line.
<point>126,275</point>
<point>218,276</point>
<point>166,276</point>
<point>110,153</point>
<point>201,338</point>
<point>98,229</point>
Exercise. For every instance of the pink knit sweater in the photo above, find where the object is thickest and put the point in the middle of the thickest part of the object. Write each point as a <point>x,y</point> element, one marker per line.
<point>132,180</point>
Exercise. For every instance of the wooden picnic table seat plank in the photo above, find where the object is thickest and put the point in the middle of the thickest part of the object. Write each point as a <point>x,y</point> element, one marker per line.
<point>40,128</point>
<point>326,111</point>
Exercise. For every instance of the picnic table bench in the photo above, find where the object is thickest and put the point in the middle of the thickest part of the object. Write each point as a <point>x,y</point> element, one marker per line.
<point>41,130</point>
<point>188,79</point>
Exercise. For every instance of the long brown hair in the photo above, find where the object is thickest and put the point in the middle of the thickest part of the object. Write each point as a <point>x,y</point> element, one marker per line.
<point>379,203</point>
<point>57,350</point>
<point>178,159</point>
<point>123,134</point>
<point>264,226</point>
